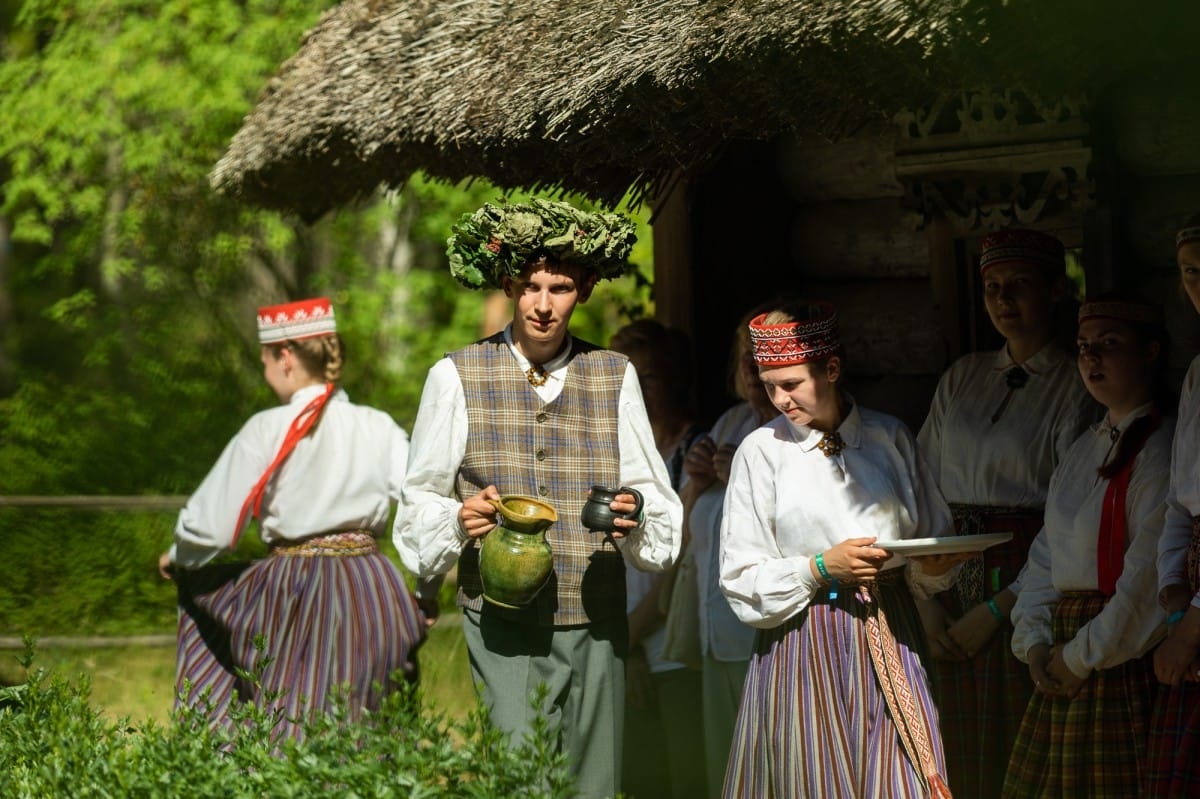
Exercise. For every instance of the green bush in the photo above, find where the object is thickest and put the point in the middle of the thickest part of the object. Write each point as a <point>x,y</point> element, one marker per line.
<point>54,744</point>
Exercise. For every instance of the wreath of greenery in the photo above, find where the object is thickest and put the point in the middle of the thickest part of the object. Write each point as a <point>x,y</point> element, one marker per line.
<point>501,239</point>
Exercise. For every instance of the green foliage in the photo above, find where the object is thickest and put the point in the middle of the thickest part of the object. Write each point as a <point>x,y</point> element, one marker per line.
<point>52,743</point>
<point>91,572</point>
<point>129,275</point>
<point>497,240</point>
<point>128,357</point>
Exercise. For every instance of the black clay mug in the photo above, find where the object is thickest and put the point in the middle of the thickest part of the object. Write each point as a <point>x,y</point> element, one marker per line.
<point>598,517</point>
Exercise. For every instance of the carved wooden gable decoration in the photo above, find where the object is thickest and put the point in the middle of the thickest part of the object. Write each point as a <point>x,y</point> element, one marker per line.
<point>988,160</point>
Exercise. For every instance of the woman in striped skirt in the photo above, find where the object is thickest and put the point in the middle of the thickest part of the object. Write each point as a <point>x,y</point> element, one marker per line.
<point>332,613</point>
<point>999,423</point>
<point>1086,617</point>
<point>836,701</point>
<point>1175,730</point>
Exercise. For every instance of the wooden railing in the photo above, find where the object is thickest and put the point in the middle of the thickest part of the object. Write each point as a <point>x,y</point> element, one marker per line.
<point>95,502</point>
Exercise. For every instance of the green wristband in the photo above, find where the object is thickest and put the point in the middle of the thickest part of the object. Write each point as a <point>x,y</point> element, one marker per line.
<point>995,609</point>
<point>1175,618</point>
<point>820,560</point>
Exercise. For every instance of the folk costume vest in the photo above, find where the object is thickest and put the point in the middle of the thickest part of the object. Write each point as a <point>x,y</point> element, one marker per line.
<point>553,451</point>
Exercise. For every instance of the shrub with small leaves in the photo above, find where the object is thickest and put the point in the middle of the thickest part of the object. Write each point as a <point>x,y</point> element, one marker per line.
<point>54,744</point>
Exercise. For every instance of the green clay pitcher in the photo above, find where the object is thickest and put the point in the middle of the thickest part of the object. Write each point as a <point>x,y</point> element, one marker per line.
<point>515,561</point>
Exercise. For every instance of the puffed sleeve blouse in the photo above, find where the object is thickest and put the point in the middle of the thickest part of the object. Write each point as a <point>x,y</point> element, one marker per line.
<point>786,502</point>
<point>1063,556</point>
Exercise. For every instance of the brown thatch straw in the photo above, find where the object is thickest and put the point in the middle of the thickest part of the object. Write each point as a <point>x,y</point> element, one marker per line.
<point>596,96</point>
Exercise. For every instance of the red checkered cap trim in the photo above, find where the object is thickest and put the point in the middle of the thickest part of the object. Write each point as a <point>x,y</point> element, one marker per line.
<point>1186,236</point>
<point>1017,245</point>
<point>296,320</point>
<point>796,342</point>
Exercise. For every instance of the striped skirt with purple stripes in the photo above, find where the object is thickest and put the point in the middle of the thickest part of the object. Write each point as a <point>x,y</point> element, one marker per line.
<point>813,721</point>
<point>344,625</point>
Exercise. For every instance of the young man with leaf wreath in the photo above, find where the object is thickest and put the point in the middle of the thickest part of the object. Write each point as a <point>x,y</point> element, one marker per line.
<point>535,411</point>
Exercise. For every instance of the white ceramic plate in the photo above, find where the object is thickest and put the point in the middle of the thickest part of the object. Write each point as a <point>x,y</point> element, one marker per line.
<point>945,545</point>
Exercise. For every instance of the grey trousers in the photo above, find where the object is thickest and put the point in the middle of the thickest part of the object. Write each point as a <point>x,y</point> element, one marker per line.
<point>582,668</point>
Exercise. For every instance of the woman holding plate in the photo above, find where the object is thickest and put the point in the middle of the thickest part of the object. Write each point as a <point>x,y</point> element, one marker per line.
<point>1087,616</point>
<point>836,700</point>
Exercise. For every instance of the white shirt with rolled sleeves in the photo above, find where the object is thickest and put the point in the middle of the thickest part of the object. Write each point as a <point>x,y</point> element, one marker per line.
<point>786,502</point>
<point>1183,501</point>
<point>427,533</point>
<point>1063,556</point>
<point>344,475</point>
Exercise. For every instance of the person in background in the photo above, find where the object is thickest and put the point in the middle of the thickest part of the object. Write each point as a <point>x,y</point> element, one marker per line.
<point>535,411</point>
<point>836,700</point>
<point>1175,729</point>
<point>725,641</point>
<point>319,473</point>
<point>1086,618</point>
<point>662,697</point>
<point>999,424</point>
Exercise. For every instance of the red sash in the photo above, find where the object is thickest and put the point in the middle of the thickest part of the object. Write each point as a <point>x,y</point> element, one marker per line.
<point>303,422</point>
<point>1110,549</point>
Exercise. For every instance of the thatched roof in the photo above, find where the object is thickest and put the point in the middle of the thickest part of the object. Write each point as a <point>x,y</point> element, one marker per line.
<point>596,96</point>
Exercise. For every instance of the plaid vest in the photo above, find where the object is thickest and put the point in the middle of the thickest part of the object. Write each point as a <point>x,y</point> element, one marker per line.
<point>553,451</point>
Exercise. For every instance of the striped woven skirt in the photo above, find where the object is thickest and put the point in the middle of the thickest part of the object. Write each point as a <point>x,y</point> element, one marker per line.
<point>1094,745</point>
<point>1175,729</point>
<point>981,701</point>
<point>333,614</point>
<point>813,720</point>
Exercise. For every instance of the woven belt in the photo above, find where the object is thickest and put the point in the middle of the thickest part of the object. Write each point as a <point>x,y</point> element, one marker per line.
<point>331,545</point>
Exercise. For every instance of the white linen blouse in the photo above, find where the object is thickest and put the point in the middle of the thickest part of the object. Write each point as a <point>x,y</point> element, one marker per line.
<point>344,475</point>
<point>1007,463</point>
<point>1063,556</point>
<point>787,501</point>
<point>1183,499</point>
<point>723,636</point>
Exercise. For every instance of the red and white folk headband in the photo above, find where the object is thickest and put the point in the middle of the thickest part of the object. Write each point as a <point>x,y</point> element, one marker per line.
<point>789,343</point>
<point>295,320</point>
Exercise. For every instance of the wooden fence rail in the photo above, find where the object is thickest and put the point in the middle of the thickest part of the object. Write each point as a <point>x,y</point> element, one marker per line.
<point>9,642</point>
<point>95,502</point>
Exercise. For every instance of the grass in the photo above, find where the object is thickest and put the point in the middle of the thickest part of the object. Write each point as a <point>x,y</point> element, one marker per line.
<point>138,683</point>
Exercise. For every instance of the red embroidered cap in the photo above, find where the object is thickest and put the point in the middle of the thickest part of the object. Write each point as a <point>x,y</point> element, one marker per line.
<point>1018,245</point>
<point>296,320</point>
<point>790,343</point>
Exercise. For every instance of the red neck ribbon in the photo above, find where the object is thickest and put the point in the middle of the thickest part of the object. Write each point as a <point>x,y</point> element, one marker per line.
<point>300,427</point>
<point>1110,549</point>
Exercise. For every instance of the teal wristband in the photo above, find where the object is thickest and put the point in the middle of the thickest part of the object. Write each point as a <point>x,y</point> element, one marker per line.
<point>995,609</point>
<point>1175,617</point>
<point>820,559</point>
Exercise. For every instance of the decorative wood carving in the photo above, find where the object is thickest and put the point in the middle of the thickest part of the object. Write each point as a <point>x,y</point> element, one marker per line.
<point>987,160</point>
